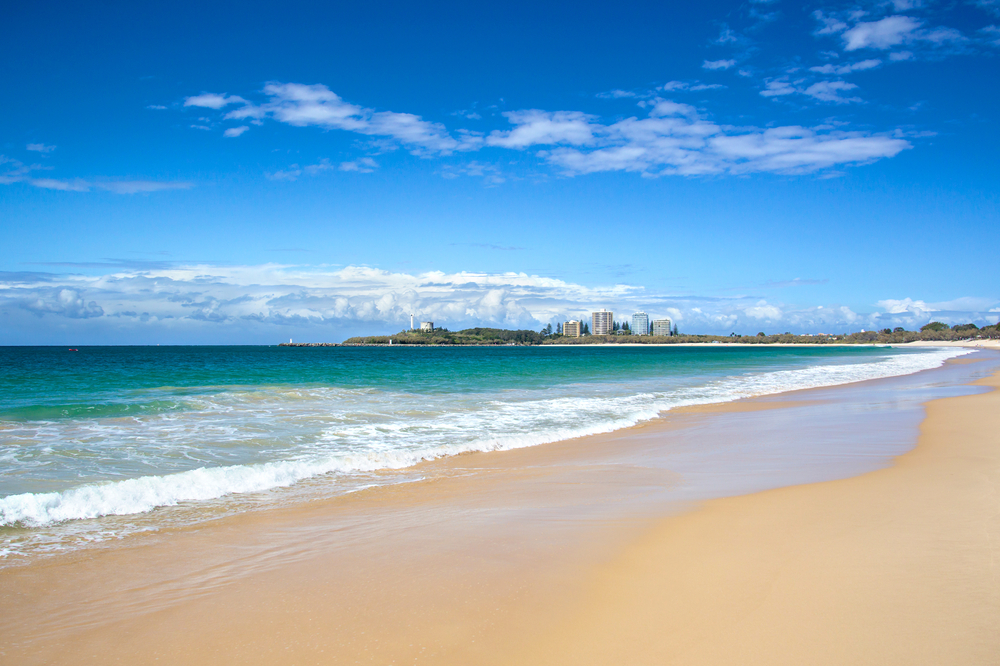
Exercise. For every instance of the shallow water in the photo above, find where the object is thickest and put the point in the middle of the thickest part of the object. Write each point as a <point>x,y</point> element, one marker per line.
<point>104,442</point>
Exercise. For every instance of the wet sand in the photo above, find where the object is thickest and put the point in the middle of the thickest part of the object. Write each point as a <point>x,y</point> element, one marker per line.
<point>578,552</point>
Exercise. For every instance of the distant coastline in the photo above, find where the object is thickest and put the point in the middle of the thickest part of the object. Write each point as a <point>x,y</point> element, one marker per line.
<point>494,337</point>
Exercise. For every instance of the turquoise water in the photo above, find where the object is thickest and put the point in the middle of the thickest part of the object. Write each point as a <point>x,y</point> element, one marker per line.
<point>124,431</point>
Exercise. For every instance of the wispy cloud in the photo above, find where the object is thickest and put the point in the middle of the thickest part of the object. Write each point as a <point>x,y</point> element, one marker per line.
<point>40,148</point>
<point>234,132</point>
<point>673,139</point>
<point>717,64</point>
<point>848,68</point>
<point>213,100</point>
<point>361,165</point>
<point>303,105</point>
<point>14,171</point>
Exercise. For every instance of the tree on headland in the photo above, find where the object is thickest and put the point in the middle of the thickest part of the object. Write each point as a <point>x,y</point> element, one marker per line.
<point>586,329</point>
<point>934,326</point>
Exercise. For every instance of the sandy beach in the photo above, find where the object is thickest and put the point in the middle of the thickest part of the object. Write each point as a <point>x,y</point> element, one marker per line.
<point>562,554</point>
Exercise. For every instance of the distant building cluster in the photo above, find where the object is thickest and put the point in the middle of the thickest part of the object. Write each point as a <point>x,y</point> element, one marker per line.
<point>603,322</point>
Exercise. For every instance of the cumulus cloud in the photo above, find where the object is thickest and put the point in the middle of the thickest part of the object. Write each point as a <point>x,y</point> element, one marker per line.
<point>40,148</point>
<point>65,302</point>
<point>231,299</point>
<point>676,139</point>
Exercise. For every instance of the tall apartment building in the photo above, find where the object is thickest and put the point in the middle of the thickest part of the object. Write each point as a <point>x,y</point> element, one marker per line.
<point>602,322</point>
<point>572,328</point>
<point>661,326</point>
<point>640,323</point>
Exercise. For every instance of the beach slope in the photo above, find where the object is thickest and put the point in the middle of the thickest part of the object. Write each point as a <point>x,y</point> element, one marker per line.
<point>898,566</point>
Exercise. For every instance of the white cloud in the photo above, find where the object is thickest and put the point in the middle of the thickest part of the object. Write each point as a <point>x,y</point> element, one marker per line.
<point>829,91</point>
<point>142,186</point>
<point>75,185</point>
<point>65,302</point>
<point>544,127</point>
<point>673,139</point>
<point>763,310</point>
<point>16,171</point>
<point>361,165</point>
<point>291,173</point>
<point>116,186</point>
<point>490,173</point>
<point>904,306</point>
<point>616,94</point>
<point>718,64</point>
<point>40,148</point>
<point>901,55</point>
<point>883,34</point>
<point>778,88</point>
<point>317,106</point>
<point>992,34</point>
<point>234,132</point>
<point>991,6</point>
<point>232,299</point>
<point>848,68</point>
<point>676,140</point>
<point>828,24</point>
<point>213,100</point>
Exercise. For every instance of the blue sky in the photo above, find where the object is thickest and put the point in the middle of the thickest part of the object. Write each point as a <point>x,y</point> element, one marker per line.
<point>252,172</point>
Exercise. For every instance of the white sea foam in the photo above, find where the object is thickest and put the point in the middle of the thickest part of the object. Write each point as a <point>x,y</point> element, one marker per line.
<point>374,437</point>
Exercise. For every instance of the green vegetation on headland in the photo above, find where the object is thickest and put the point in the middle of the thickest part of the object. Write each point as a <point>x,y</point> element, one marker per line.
<point>442,336</point>
<point>933,332</point>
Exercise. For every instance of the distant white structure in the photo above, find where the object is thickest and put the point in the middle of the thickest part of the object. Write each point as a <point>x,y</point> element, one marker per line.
<point>602,322</point>
<point>411,321</point>
<point>426,326</point>
<point>661,326</point>
<point>640,323</point>
<point>572,328</point>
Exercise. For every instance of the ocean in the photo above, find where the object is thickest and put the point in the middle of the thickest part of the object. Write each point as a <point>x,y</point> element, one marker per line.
<point>104,442</point>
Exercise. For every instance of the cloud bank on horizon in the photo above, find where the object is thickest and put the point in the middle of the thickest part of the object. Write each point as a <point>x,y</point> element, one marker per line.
<point>264,303</point>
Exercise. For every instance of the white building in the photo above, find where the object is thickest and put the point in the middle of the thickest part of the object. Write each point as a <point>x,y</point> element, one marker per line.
<point>572,328</point>
<point>661,326</point>
<point>640,323</point>
<point>602,322</point>
<point>426,326</point>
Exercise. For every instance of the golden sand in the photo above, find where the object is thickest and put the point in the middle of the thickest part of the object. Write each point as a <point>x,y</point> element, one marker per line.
<point>483,563</point>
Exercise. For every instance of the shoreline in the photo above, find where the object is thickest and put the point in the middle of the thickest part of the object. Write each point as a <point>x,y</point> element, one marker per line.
<point>457,590</point>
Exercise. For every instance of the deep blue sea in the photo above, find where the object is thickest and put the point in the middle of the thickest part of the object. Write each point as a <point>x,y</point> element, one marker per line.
<point>105,432</point>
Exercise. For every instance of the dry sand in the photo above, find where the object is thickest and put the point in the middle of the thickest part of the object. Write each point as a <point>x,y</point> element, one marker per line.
<point>897,566</point>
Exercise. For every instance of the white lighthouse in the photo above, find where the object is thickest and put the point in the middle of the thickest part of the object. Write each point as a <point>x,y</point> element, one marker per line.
<point>411,321</point>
